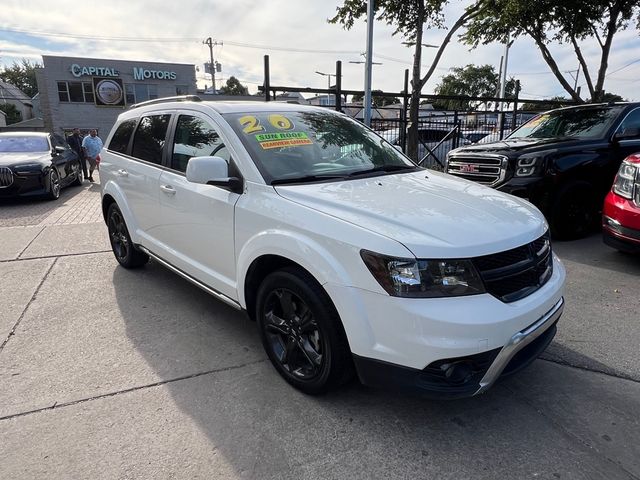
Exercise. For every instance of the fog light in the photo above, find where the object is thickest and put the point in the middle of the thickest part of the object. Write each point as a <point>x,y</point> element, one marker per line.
<point>458,373</point>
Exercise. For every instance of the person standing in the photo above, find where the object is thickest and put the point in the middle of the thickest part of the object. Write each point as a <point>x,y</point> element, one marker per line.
<point>91,145</point>
<point>75,142</point>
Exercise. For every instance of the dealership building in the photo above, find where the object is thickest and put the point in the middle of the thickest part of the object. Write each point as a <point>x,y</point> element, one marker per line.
<point>90,92</point>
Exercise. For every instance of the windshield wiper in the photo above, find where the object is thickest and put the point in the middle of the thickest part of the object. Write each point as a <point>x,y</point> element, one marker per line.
<point>305,179</point>
<point>383,168</point>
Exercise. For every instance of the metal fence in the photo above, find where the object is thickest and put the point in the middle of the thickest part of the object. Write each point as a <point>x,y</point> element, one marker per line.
<point>439,131</point>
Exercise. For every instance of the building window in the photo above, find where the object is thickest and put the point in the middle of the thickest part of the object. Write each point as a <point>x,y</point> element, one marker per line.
<point>182,89</point>
<point>75,92</point>
<point>63,92</point>
<point>137,92</point>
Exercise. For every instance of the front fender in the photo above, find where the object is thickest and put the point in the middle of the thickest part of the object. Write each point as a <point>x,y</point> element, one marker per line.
<point>298,248</point>
<point>112,189</point>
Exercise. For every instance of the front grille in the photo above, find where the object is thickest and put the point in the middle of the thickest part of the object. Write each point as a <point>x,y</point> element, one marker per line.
<point>516,273</point>
<point>6,177</point>
<point>485,169</point>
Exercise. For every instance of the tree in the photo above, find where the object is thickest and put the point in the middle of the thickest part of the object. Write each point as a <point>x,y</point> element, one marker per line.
<point>23,76</point>
<point>12,113</point>
<point>554,102</point>
<point>378,101</point>
<point>410,18</point>
<point>549,21</point>
<point>473,81</point>
<point>234,87</point>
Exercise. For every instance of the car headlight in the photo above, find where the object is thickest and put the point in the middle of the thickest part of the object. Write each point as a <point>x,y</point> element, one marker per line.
<point>422,278</point>
<point>529,165</point>
<point>28,169</point>
<point>628,180</point>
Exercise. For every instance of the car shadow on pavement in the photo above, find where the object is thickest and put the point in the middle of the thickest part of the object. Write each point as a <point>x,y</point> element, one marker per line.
<point>592,251</point>
<point>261,427</point>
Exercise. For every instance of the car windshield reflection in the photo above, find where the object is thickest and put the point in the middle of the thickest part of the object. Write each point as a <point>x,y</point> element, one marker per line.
<point>23,144</point>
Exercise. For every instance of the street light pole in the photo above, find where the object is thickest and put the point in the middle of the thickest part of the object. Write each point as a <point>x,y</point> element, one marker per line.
<point>369,64</point>
<point>328,75</point>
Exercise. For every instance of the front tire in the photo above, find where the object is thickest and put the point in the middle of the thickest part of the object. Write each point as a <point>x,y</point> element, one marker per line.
<point>78,181</point>
<point>302,332</point>
<point>574,212</point>
<point>54,185</point>
<point>123,248</point>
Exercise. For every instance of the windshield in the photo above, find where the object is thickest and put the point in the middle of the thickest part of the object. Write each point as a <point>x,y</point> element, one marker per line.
<point>23,144</point>
<point>307,146</point>
<point>575,123</point>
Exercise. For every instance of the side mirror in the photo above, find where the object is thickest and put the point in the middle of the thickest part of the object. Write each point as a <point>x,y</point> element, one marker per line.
<point>631,132</point>
<point>57,150</point>
<point>212,171</point>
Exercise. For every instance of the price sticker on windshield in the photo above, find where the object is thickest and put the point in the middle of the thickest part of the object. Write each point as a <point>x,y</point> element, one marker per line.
<point>282,139</point>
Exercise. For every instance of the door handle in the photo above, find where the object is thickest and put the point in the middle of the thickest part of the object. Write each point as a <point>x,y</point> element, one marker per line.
<point>168,189</point>
<point>122,173</point>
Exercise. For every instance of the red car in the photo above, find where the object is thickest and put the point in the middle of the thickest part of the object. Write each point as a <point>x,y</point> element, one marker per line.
<point>621,211</point>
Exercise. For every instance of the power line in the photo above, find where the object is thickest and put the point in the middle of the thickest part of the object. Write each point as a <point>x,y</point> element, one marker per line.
<point>102,38</point>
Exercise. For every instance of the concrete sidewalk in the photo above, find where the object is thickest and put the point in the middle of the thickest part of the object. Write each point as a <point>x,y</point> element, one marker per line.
<point>122,374</point>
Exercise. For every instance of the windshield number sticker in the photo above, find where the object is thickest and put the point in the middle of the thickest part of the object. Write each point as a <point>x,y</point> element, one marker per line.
<point>252,125</point>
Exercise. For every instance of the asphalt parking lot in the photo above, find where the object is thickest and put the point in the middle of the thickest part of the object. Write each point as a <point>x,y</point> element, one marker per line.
<point>116,374</point>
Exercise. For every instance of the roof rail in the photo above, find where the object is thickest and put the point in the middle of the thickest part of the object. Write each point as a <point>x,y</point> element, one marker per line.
<point>181,98</point>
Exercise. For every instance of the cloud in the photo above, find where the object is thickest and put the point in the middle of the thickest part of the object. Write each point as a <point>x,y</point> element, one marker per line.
<point>294,25</point>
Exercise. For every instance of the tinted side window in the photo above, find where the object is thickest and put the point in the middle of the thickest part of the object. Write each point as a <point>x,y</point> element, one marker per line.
<point>120,140</point>
<point>149,140</point>
<point>632,121</point>
<point>195,137</point>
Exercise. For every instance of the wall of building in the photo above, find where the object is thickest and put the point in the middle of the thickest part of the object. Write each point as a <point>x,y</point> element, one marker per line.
<point>62,110</point>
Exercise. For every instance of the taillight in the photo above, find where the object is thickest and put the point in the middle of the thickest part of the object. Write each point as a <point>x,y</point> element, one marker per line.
<point>627,182</point>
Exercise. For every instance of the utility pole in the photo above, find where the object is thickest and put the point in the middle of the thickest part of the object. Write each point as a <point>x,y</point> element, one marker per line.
<point>211,43</point>
<point>369,63</point>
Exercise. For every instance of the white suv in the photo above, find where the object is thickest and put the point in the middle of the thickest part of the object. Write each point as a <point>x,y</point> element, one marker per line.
<point>350,258</point>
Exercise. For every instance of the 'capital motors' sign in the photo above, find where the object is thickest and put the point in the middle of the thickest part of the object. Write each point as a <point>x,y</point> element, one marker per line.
<point>78,71</point>
<point>139,73</point>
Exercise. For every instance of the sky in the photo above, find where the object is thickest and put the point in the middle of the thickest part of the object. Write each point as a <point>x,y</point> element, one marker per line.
<point>296,36</point>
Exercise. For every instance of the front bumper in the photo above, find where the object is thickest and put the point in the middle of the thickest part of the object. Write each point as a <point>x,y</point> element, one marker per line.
<point>480,371</point>
<point>420,336</point>
<point>621,223</point>
<point>25,185</point>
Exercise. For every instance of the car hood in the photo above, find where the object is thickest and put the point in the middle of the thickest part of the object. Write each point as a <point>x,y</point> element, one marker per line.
<point>434,215</point>
<point>15,158</point>
<point>519,144</point>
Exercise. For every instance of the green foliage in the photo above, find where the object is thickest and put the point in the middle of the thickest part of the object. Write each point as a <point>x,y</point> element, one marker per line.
<point>22,75</point>
<point>234,87</point>
<point>554,102</point>
<point>612,97</point>
<point>12,113</point>
<point>377,100</point>
<point>550,22</point>
<point>473,81</point>
<point>401,14</point>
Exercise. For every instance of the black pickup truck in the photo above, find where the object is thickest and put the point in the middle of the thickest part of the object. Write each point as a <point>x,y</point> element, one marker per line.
<point>563,161</point>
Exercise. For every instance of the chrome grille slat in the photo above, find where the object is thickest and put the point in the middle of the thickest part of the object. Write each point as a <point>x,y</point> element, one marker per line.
<point>486,169</point>
<point>6,177</point>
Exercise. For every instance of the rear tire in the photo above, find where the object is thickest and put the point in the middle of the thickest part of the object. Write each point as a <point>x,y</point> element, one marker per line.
<point>123,248</point>
<point>574,212</point>
<point>302,332</point>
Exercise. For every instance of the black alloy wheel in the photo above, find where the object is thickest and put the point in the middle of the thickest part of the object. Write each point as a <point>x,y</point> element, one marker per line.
<point>54,185</point>
<point>574,213</point>
<point>301,332</point>
<point>125,252</point>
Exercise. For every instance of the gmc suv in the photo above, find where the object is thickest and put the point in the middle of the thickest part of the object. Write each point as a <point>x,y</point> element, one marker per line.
<point>563,161</point>
<point>349,257</point>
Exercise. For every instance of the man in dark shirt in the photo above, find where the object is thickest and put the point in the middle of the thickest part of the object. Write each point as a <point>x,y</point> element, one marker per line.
<point>75,142</point>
